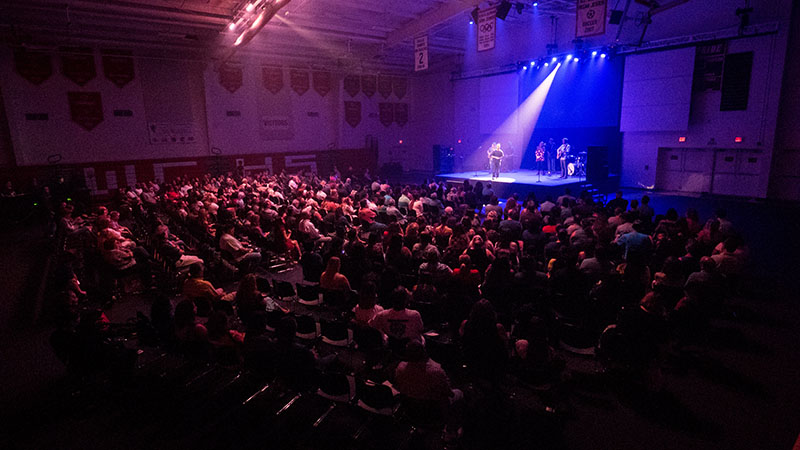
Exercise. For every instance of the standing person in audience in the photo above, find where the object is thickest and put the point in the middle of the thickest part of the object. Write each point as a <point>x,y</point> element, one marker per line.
<point>617,202</point>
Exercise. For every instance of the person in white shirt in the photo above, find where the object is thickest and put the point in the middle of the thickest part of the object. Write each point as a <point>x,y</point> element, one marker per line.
<point>400,322</point>
<point>246,258</point>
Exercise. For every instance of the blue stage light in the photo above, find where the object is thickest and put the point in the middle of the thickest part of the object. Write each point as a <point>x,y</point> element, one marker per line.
<point>533,63</point>
<point>535,3</point>
<point>471,22</point>
<point>569,57</point>
<point>576,59</point>
<point>602,55</point>
<point>554,59</point>
<point>594,53</point>
<point>546,64</point>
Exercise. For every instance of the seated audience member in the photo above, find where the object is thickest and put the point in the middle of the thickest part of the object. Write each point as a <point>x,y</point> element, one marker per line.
<point>399,322</point>
<point>484,342</point>
<point>187,329</point>
<point>203,293</point>
<point>220,335</point>
<point>366,309</point>
<point>423,380</point>
<point>245,257</point>
<point>311,262</point>
<point>635,244</point>
<point>437,271</point>
<point>249,300</point>
<point>173,248</point>
<point>729,258</point>
<point>331,279</point>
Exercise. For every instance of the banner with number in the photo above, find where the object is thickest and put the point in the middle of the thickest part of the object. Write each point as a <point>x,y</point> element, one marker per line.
<point>386,113</point>
<point>369,84</point>
<point>351,85</point>
<point>487,29</point>
<point>85,108</point>
<point>420,53</point>
<point>35,67</point>
<point>352,113</point>
<point>273,79</point>
<point>77,64</point>
<point>401,113</point>
<point>299,81</point>
<point>230,76</point>
<point>590,18</point>
<point>322,83</point>
<point>118,67</point>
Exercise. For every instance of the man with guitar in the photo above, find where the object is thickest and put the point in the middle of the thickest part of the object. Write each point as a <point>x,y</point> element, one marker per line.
<point>495,155</point>
<point>561,155</point>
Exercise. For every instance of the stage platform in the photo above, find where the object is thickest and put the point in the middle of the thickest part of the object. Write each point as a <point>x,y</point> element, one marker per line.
<point>523,181</point>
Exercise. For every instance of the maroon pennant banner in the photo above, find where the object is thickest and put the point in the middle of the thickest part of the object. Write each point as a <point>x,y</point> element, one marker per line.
<point>352,113</point>
<point>400,86</point>
<point>351,85</point>
<point>369,85</point>
<point>401,113</point>
<point>85,109</point>
<point>118,67</point>
<point>299,80</point>
<point>230,76</point>
<point>273,78</point>
<point>385,86</point>
<point>322,83</point>
<point>77,64</point>
<point>386,113</point>
<point>35,67</point>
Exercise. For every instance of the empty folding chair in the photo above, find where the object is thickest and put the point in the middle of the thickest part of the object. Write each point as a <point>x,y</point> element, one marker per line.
<point>335,333</point>
<point>307,327</point>
<point>308,295</point>
<point>273,318</point>
<point>379,399</point>
<point>337,387</point>
<point>334,299</point>
<point>283,289</point>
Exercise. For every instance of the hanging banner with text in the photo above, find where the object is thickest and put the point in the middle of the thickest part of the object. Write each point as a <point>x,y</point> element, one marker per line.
<point>487,29</point>
<point>35,67</point>
<point>420,53</point>
<point>369,85</point>
<point>85,109</point>
<point>118,67</point>
<point>77,64</point>
<point>591,18</point>
<point>352,113</point>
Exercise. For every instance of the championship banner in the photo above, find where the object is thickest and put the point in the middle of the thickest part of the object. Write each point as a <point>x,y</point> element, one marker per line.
<point>590,18</point>
<point>230,76</point>
<point>77,64</point>
<point>420,53</point>
<point>385,86</point>
<point>369,84</point>
<point>118,67</point>
<point>322,83</point>
<point>400,86</point>
<point>351,85</point>
<point>35,67</point>
<point>487,29</point>
<point>272,78</point>
<point>85,108</point>
<point>299,81</point>
<point>708,63</point>
<point>352,113</point>
<point>401,113</point>
<point>386,112</point>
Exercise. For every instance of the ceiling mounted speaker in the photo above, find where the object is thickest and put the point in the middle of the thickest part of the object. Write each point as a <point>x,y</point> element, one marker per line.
<point>616,17</point>
<point>503,9</point>
<point>475,15</point>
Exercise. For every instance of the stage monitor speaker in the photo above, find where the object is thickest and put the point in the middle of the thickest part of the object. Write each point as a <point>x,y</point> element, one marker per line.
<point>443,159</point>
<point>503,9</point>
<point>596,164</point>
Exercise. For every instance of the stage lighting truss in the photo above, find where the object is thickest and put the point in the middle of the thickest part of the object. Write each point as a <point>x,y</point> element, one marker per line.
<point>575,57</point>
<point>251,18</point>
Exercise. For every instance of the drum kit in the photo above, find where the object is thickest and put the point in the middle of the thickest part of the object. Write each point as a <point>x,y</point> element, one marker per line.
<point>576,164</point>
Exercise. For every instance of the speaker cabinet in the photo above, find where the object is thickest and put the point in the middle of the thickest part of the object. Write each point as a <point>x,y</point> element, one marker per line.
<point>596,164</point>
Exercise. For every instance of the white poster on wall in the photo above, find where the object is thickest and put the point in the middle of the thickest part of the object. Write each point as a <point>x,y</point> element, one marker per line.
<point>420,53</point>
<point>590,18</point>
<point>276,127</point>
<point>487,29</point>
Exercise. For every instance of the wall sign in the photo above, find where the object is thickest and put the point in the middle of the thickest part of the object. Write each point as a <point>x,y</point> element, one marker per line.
<point>590,18</point>
<point>35,67</point>
<point>352,113</point>
<point>299,81</point>
<point>118,67</point>
<point>272,78</point>
<point>421,53</point>
<point>171,133</point>
<point>85,109</point>
<point>487,29</point>
<point>369,84</point>
<point>230,76</point>
<point>77,64</point>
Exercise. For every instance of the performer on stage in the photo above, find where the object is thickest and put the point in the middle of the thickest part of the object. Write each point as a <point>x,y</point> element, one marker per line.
<point>495,155</point>
<point>540,163</point>
<point>551,156</point>
<point>561,154</point>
